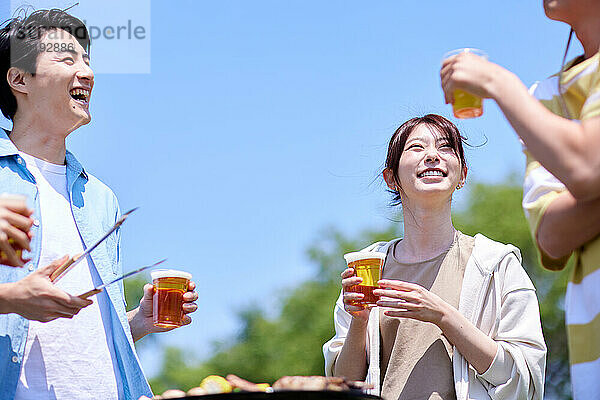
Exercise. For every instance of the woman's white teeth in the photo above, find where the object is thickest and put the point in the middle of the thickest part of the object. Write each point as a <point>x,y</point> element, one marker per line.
<point>432,173</point>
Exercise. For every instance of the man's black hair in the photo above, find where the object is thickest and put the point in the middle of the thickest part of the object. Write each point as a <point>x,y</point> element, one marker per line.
<point>19,46</point>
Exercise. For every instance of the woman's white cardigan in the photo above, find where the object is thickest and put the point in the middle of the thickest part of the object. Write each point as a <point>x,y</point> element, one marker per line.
<point>498,297</point>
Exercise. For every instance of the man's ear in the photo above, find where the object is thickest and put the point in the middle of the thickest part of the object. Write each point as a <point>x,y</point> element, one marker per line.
<point>17,80</point>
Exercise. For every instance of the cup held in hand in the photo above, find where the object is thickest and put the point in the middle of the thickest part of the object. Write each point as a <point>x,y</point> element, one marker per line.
<point>366,265</point>
<point>466,105</point>
<point>167,301</point>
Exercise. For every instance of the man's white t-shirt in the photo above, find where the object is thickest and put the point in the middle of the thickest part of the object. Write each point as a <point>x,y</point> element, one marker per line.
<point>67,358</point>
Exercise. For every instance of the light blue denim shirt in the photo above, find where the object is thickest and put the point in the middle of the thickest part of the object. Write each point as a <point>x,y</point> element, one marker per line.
<point>95,210</point>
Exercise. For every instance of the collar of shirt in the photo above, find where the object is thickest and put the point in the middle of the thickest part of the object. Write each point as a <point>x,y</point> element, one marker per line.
<point>74,167</point>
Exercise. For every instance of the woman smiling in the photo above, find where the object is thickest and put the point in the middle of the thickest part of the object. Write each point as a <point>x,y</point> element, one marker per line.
<point>458,316</point>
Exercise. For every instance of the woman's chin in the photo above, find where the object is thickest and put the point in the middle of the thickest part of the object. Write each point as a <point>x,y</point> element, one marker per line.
<point>433,188</point>
<point>430,194</point>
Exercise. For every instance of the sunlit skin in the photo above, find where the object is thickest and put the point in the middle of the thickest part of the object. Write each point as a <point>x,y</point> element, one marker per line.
<point>57,73</point>
<point>426,200</point>
<point>51,104</point>
<point>569,11</point>
<point>423,197</point>
<point>426,150</point>
<point>15,223</point>
<point>47,112</point>
<point>143,326</point>
<point>566,148</point>
<point>428,231</point>
<point>582,16</point>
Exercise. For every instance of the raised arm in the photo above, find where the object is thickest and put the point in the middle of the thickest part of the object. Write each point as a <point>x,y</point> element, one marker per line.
<point>566,148</point>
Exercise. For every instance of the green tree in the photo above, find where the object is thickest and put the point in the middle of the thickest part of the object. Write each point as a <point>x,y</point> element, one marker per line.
<point>134,290</point>
<point>290,343</point>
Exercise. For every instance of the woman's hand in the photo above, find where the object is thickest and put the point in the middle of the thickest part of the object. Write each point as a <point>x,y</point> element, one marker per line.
<point>140,319</point>
<point>351,298</point>
<point>409,300</point>
<point>471,73</point>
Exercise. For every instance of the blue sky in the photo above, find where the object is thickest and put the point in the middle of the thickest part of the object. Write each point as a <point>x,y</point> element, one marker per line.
<point>261,123</point>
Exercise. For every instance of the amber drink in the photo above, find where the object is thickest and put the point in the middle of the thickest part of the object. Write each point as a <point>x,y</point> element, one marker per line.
<point>466,105</point>
<point>366,265</point>
<point>169,287</point>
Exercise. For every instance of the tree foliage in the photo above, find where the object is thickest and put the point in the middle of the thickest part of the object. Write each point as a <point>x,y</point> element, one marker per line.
<point>134,290</point>
<point>290,343</point>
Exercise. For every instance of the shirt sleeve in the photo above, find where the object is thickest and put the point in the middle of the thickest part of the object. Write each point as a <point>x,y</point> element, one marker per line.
<point>591,107</point>
<point>333,347</point>
<point>540,189</point>
<point>518,368</point>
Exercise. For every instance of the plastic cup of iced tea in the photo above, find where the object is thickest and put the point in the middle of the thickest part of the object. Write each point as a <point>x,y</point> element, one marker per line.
<point>366,265</point>
<point>167,301</point>
<point>466,105</point>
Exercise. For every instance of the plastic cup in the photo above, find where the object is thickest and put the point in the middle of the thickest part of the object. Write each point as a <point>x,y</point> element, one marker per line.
<point>366,265</point>
<point>167,301</point>
<point>466,105</point>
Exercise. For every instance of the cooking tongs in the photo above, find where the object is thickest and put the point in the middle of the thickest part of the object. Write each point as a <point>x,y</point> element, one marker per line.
<point>98,289</point>
<point>74,260</point>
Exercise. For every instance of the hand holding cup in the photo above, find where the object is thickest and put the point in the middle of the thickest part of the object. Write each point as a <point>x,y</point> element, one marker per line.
<point>15,222</point>
<point>165,312</point>
<point>170,299</point>
<point>359,280</point>
<point>463,81</point>
<point>352,299</point>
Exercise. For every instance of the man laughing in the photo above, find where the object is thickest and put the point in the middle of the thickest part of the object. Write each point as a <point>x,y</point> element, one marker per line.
<point>46,86</point>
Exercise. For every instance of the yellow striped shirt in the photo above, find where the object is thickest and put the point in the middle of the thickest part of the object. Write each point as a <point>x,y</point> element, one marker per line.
<point>580,87</point>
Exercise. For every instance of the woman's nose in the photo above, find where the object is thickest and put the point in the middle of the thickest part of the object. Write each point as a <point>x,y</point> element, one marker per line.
<point>432,155</point>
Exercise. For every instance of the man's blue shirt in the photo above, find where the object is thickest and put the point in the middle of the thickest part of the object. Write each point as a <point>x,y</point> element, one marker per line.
<point>95,210</point>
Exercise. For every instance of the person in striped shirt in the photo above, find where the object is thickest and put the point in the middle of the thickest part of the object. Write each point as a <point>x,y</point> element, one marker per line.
<point>558,121</point>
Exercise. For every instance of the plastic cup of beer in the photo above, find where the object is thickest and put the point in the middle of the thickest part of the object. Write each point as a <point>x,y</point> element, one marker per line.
<point>466,105</point>
<point>366,265</point>
<point>167,301</point>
